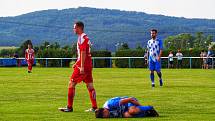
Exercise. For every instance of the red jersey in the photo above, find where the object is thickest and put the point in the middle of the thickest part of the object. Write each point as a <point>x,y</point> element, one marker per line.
<point>29,54</point>
<point>84,44</point>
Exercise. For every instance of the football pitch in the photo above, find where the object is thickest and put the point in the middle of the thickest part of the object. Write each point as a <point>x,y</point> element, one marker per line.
<point>187,94</point>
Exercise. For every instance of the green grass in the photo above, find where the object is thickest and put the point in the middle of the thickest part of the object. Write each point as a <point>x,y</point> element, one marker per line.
<point>186,95</point>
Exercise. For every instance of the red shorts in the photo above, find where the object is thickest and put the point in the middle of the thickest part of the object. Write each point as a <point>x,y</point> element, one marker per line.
<point>86,77</point>
<point>30,62</point>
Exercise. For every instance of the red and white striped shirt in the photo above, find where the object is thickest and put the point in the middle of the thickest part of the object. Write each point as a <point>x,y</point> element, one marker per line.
<point>84,44</point>
<point>29,54</point>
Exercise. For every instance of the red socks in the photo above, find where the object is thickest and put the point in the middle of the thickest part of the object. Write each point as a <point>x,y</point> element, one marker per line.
<point>71,94</point>
<point>29,67</point>
<point>92,94</point>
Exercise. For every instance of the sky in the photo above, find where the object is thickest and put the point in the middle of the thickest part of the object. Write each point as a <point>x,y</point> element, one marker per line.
<point>178,8</point>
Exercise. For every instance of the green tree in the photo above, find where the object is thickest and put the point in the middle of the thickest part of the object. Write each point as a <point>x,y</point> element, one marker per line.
<point>199,40</point>
<point>208,41</point>
<point>74,50</point>
<point>55,45</point>
<point>7,52</point>
<point>124,46</point>
<point>23,47</point>
<point>169,42</point>
<point>139,47</point>
<point>46,44</point>
<point>185,41</point>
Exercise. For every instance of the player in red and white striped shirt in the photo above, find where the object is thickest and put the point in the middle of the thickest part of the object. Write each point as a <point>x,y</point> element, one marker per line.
<point>82,69</point>
<point>29,56</point>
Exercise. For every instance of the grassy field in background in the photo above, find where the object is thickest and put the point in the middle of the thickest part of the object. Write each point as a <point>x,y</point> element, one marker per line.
<point>186,95</point>
<point>7,47</point>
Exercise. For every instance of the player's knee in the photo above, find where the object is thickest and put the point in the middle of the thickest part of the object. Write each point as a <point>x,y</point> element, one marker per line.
<point>159,73</point>
<point>90,86</point>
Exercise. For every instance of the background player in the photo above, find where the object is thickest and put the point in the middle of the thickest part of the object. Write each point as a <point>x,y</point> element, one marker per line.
<point>124,107</point>
<point>82,69</point>
<point>29,56</point>
<point>155,48</point>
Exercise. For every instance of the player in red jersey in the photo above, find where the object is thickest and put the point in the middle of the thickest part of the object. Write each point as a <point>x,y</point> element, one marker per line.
<point>82,69</point>
<point>29,56</point>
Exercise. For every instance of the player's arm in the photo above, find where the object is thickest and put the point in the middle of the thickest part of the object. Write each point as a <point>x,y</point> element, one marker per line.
<point>160,55</point>
<point>33,55</point>
<point>161,50</point>
<point>147,53</point>
<point>83,56</point>
<point>130,100</point>
<point>83,52</point>
<point>73,66</point>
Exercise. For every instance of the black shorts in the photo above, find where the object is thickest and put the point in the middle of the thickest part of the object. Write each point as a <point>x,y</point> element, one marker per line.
<point>179,62</point>
<point>171,62</point>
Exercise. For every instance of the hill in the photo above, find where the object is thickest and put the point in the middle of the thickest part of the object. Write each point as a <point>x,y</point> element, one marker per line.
<point>105,27</point>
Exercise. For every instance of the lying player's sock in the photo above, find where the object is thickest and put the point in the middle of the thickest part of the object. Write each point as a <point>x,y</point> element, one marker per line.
<point>71,94</point>
<point>92,94</point>
<point>152,79</point>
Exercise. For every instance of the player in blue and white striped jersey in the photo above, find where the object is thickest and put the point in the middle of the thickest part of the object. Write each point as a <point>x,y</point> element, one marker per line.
<point>155,49</point>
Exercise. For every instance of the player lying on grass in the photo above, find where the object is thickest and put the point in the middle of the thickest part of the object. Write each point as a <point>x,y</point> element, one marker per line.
<point>125,107</point>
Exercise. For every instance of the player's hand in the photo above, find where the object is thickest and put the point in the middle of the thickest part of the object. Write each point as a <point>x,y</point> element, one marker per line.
<point>159,58</point>
<point>81,70</point>
<point>73,66</point>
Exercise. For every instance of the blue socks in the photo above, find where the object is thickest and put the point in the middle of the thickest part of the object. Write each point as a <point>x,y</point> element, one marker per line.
<point>152,78</point>
<point>161,82</point>
<point>160,76</point>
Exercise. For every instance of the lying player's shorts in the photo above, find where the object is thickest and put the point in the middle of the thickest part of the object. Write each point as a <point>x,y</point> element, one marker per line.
<point>30,62</point>
<point>77,77</point>
<point>155,66</point>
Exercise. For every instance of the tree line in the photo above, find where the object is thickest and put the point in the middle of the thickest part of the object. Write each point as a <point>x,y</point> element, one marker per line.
<point>185,42</point>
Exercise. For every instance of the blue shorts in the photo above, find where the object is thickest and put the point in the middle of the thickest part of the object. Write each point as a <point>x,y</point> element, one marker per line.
<point>155,66</point>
